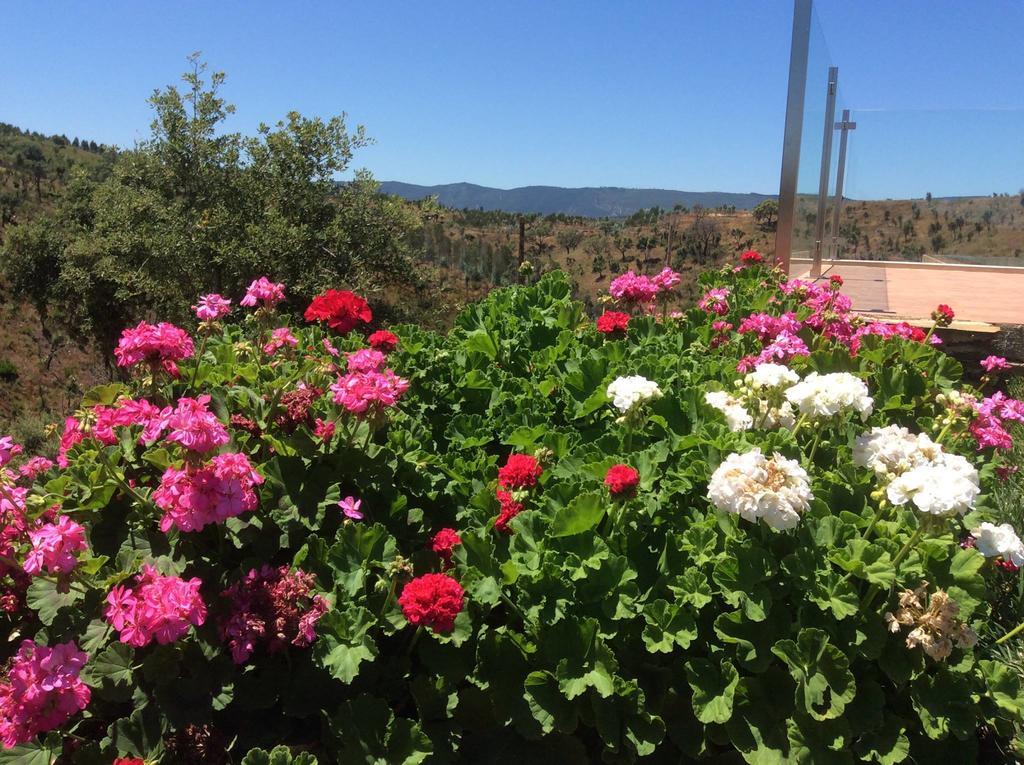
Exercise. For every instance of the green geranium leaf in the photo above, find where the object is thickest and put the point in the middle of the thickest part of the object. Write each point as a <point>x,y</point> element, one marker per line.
<point>887,744</point>
<point>365,730</point>
<point>43,598</point>
<point>547,704</point>
<point>830,592</point>
<point>866,561</point>
<point>43,752</point>
<point>825,684</point>
<point>713,689</point>
<point>944,705</point>
<point>140,735</point>
<point>667,626</point>
<point>111,666</point>
<point>343,642</point>
<point>582,514</point>
<point>1004,687</point>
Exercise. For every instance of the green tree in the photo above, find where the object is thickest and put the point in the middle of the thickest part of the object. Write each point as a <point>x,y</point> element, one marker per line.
<point>570,239</point>
<point>766,214</point>
<point>196,209</point>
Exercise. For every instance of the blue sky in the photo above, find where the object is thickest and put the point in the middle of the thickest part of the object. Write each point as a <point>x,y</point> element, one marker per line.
<point>674,94</point>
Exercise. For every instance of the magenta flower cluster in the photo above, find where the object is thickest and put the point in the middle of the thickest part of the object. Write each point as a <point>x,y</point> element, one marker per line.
<point>264,293</point>
<point>193,426</point>
<point>42,691</point>
<point>368,393</point>
<point>55,547</point>
<point>212,307</point>
<point>988,427</point>
<point>365,360</point>
<point>160,608</point>
<point>633,289</point>
<point>158,345</point>
<point>716,301</point>
<point>195,497</point>
<point>279,338</point>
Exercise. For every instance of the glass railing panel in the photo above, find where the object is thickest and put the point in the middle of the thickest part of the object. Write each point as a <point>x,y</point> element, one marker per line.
<point>934,186</point>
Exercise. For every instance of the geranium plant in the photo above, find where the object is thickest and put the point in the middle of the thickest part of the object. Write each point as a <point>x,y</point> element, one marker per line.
<point>758,529</point>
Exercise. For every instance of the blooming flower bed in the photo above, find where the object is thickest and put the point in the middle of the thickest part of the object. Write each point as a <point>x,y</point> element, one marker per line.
<point>759,529</point>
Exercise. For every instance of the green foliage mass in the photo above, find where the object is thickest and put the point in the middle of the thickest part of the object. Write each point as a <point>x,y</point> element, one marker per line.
<point>195,209</point>
<point>653,629</point>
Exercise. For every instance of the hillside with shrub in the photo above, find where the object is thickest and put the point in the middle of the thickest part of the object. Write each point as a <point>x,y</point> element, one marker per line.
<point>758,529</point>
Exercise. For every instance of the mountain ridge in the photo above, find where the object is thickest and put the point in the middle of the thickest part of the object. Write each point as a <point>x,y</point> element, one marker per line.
<point>588,201</point>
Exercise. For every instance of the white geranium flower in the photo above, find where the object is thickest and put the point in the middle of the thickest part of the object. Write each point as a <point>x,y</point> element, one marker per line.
<point>775,490</point>
<point>893,450</point>
<point>771,376</point>
<point>823,396</point>
<point>735,413</point>
<point>937,488</point>
<point>999,542</point>
<point>628,392</point>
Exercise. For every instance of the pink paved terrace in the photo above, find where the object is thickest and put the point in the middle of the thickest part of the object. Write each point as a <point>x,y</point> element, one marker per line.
<point>980,295</point>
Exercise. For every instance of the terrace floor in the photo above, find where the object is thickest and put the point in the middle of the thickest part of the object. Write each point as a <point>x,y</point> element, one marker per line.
<point>981,296</point>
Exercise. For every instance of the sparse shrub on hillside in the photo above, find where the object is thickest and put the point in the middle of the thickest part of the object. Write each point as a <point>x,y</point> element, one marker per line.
<point>8,371</point>
<point>754,530</point>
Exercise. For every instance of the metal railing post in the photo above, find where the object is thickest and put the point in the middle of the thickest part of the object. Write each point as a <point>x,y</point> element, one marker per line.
<point>844,127</point>
<point>826,166</point>
<point>798,53</point>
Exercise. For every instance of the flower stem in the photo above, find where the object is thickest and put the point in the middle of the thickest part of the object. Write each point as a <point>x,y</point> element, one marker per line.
<point>1016,630</point>
<point>906,548</point>
<point>391,594</point>
<point>199,361</point>
<point>799,424</point>
<point>413,641</point>
<point>874,589</point>
<point>814,447</point>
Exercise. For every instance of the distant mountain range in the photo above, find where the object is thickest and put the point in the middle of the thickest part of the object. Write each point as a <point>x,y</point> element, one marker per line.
<point>606,201</point>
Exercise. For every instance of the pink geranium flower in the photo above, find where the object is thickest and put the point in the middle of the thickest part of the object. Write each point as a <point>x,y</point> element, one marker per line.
<point>195,497</point>
<point>264,293</point>
<point>350,506</point>
<point>366,360</point>
<point>271,608</point>
<point>279,338</point>
<point>212,307</point>
<point>366,393</point>
<point>8,450</point>
<point>633,289</point>
<point>994,364</point>
<point>160,608</point>
<point>55,547</point>
<point>158,345</point>
<point>195,427</point>
<point>42,691</point>
<point>715,301</point>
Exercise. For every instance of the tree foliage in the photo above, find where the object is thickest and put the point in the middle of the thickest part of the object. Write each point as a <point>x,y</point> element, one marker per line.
<point>196,209</point>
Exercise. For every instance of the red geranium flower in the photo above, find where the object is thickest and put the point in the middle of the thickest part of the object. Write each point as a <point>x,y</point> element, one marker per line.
<point>509,510</point>
<point>836,280</point>
<point>521,471</point>
<point>383,341</point>
<point>432,600</point>
<point>444,543</point>
<point>621,480</point>
<point>752,256</point>
<point>943,315</point>
<point>341,309</point>
<point>611,322</point>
